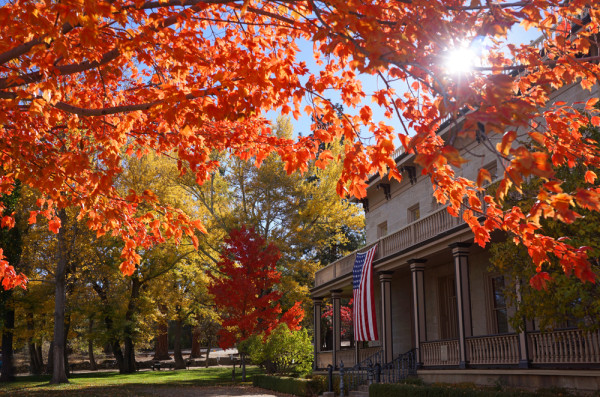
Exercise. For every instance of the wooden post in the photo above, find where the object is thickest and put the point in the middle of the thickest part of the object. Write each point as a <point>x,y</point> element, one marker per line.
<point>417,268</point>
<point>337,325</point>
<point>317,304</point>
<point>385,278</point>
<point>460,252</point>
<point>523,344</point>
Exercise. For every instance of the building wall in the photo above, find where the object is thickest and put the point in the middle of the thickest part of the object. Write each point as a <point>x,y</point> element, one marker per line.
<point>478,277</point>
<point>432,310</point>
<point>402,320</point>
<point>394,211</point>
<point>404,195</point>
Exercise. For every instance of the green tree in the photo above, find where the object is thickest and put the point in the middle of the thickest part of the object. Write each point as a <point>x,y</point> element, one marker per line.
<point>12,245</point>
<point>300,213</point>
<point>283,351</point>
<point>559,299</point>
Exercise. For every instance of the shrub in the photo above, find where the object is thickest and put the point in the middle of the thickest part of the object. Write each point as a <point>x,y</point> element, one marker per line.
<point>447,390</point>
<point>296,386</point>
<point>283,352</point>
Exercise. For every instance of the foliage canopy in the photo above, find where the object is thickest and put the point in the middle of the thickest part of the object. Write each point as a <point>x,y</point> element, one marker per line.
<point>85,85</point>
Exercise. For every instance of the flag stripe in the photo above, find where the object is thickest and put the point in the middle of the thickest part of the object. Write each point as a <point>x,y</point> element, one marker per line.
<point>365,325</point>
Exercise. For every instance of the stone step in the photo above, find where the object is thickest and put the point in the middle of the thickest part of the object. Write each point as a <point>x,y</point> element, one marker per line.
<point>364,388</point>
<point>359,393</point>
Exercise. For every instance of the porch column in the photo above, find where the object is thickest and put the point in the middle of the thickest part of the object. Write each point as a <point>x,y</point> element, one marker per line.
<point>523,345</point>
<point>337,329</point>
<point>317,304</point>
<point>460,252</point>
<point>417,268</point>
<point>385,278</point>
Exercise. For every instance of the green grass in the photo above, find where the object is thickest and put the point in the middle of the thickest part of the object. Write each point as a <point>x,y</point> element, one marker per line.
<point>113,384</point>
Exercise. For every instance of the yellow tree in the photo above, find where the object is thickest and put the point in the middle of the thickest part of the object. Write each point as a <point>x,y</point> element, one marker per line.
<point>300,213</point>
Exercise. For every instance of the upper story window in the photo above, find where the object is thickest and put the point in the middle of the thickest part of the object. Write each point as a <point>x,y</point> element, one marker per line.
<point>382,230</point>
<point>414,213</point>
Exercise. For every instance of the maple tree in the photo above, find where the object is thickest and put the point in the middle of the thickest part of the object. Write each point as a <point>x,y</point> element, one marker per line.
<point>563,300</point>
<point>85,85</point>
<point>300,213</point>
<point>244,289</point>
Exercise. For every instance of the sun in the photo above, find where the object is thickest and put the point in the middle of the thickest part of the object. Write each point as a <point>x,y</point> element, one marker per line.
<point>460,60</point>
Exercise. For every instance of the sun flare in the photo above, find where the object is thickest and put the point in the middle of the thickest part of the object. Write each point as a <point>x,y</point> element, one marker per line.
<point>460,60</point>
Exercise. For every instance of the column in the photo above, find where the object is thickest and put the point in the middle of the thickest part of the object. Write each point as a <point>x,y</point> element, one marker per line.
<point>337,325</point>
<point>417,268</point>
<point>385,278</point>
<point>460,252</point>
<point>317,304</point>
<point>523,345</point>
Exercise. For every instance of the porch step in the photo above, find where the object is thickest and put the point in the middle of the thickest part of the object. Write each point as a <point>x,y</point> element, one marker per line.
<point>363,391</point>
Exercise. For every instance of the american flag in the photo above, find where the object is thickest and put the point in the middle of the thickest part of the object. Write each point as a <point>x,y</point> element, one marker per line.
<point>363,312</point>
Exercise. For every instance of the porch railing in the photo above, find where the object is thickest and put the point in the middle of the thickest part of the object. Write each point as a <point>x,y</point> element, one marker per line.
<point>442,352</point>
<point>413,233</point>
<point>370,353</point>
<point>564,347</point>
<point>496,349</point>
<point>345,356</point>
<point>325,358</point>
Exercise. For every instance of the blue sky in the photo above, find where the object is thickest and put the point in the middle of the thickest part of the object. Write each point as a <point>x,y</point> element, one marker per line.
<point>517,35</point>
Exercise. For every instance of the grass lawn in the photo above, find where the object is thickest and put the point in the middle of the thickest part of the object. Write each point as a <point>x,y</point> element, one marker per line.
<point>113,384</point>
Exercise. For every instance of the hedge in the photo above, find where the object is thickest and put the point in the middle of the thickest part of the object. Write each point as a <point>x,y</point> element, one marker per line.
<point>296,386</point>
<point>408,390</point>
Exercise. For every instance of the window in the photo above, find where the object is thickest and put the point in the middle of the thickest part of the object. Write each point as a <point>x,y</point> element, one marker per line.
<point>447,305</point>
<point>414,213</point>
<point>499,316</point>
<point>382,230</point>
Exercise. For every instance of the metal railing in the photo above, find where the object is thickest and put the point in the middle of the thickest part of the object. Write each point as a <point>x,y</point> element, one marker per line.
<point>362,373</point>
<point>400,368</point>
<point>373,369</point>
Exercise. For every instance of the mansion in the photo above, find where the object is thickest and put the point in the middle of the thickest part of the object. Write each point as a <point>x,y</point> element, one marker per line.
<point>435,295</point>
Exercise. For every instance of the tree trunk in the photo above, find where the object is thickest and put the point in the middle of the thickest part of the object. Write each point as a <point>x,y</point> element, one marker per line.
<point>161,350</point>
<point>40,358</point>
<point>8,369</point>
<point>195,353</point>
<point>179,361</point>
<point>92,359</point>
<point>129,362</point>
<point>243,367</point>
<point>59,375</point>
<point>50,366</point>
<point>118,353</point>
<point>35,366</point>
<point>208,347</point>
<point>66,344</point>
<point>129,365</point>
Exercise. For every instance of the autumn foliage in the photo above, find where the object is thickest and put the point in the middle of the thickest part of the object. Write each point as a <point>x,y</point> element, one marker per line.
<point>244,289</point>
<point>346,321</point>
<point>85,85</point>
